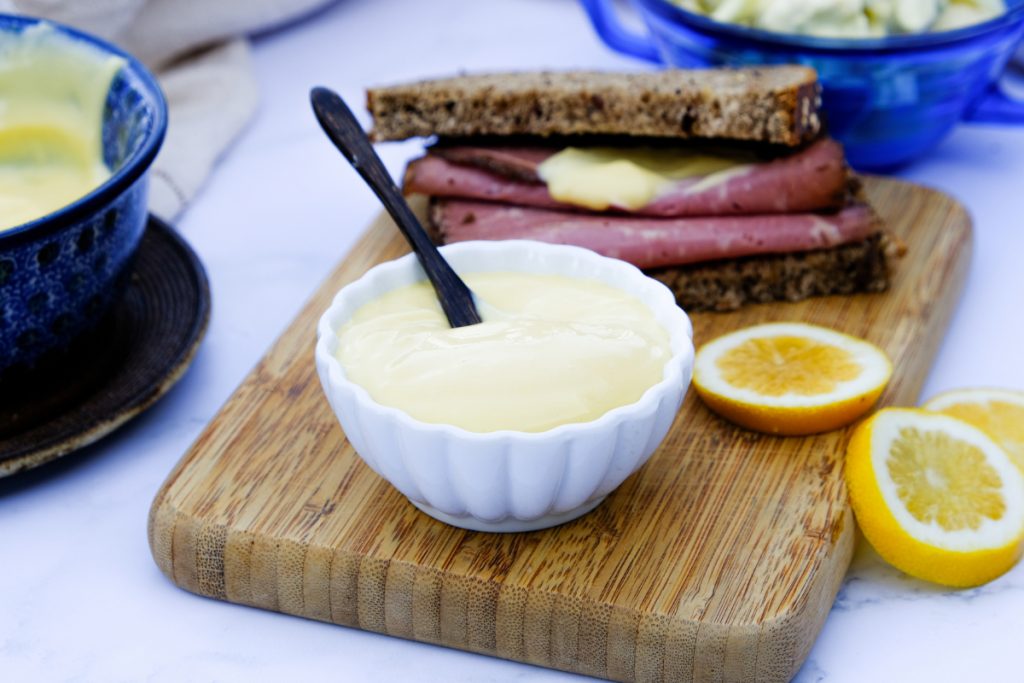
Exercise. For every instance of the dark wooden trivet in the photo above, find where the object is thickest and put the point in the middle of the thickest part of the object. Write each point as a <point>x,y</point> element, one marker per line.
<point>132,359</point>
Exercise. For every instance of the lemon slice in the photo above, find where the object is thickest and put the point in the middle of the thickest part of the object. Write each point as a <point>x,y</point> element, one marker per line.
<point>936,497</point>
<point>790,378</point>
<point>997,412</point>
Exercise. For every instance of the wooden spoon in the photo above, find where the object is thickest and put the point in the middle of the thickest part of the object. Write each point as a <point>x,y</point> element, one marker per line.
<point>347,135</point>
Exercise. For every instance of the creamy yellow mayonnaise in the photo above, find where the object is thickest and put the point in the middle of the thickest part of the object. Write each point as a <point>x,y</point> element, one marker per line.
<point>52,93</point>
<point>849,18</point>
<point>599,178</point>
<point>551,351</point>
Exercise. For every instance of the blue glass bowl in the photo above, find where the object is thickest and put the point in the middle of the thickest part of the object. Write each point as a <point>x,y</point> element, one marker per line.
<point>60,274</point>
<point>888,100</point>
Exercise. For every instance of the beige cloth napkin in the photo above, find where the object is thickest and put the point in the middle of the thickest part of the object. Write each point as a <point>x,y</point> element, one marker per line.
<point>197,49</point>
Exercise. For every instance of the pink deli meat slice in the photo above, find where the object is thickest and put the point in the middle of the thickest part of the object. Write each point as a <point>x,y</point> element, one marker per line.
<point>513,162</point>
<point>437,177</point>
<point>814,178</point>
<point>655,242</point>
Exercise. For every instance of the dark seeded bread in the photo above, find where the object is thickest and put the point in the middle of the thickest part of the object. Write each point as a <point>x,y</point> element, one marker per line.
<point>777,105</point>
<point>726,285</point>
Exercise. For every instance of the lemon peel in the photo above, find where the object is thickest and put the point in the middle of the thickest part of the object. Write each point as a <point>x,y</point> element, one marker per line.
<point>935,496</point>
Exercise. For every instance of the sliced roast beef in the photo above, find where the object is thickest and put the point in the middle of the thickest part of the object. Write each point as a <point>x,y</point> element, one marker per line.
<point>515,163</point>
<point>654,242</point>
<point>812,179</point>
<point>432,175</point>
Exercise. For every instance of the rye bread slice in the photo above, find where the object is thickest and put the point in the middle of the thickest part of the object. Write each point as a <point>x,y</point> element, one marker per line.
<point>854,268</point>
<point>777,105</point>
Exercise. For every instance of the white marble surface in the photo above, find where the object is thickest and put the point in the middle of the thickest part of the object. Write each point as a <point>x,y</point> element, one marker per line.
<point>80,597</point>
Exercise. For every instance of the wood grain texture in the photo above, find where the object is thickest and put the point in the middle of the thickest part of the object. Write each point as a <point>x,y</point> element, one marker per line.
<point>717,561</point>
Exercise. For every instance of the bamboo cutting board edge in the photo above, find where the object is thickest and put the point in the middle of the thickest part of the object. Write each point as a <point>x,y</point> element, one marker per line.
<point>275,571</point>
<point>784,640</point>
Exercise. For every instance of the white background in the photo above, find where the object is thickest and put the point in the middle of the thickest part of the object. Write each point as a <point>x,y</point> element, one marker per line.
<point>82,600</point>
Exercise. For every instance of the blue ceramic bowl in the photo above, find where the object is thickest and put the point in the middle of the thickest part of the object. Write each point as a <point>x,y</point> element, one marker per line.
<point>888,100</point>
<point>60,273</point>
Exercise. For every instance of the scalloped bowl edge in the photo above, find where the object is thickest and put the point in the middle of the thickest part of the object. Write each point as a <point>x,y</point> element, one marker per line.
<point>507,480</point>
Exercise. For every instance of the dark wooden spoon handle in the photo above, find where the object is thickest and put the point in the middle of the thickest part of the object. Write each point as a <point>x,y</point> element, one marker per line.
<point>347,135</point>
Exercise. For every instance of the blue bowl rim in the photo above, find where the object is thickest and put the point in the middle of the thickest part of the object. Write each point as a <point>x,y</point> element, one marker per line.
<point>789,41</point>
<point>129,172</point>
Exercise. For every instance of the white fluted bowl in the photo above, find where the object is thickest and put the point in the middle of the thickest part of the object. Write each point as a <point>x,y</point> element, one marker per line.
<point>507,480</point>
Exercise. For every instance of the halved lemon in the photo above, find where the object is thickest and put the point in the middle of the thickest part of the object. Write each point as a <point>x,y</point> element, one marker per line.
<point>790,378</point>
<point>936,497</point>
<point>997,412</point>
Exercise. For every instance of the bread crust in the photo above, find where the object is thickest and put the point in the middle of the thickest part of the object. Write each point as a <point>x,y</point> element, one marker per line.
<point>776,105</point>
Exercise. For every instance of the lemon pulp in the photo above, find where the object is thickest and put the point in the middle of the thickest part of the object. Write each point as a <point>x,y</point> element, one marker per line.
<point>775,366</point>
<point>52,94</point>
<point>942,480</point>
<point>997,412</point>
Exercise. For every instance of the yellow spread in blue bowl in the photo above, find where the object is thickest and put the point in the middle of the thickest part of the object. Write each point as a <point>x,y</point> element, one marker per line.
<point>53,90</point>
<point>80,124</point>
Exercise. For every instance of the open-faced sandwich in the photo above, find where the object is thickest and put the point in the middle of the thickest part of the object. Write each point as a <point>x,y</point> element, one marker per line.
<point>720,183</point>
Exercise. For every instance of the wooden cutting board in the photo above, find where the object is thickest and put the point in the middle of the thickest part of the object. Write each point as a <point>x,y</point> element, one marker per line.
<point>717,561</point>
